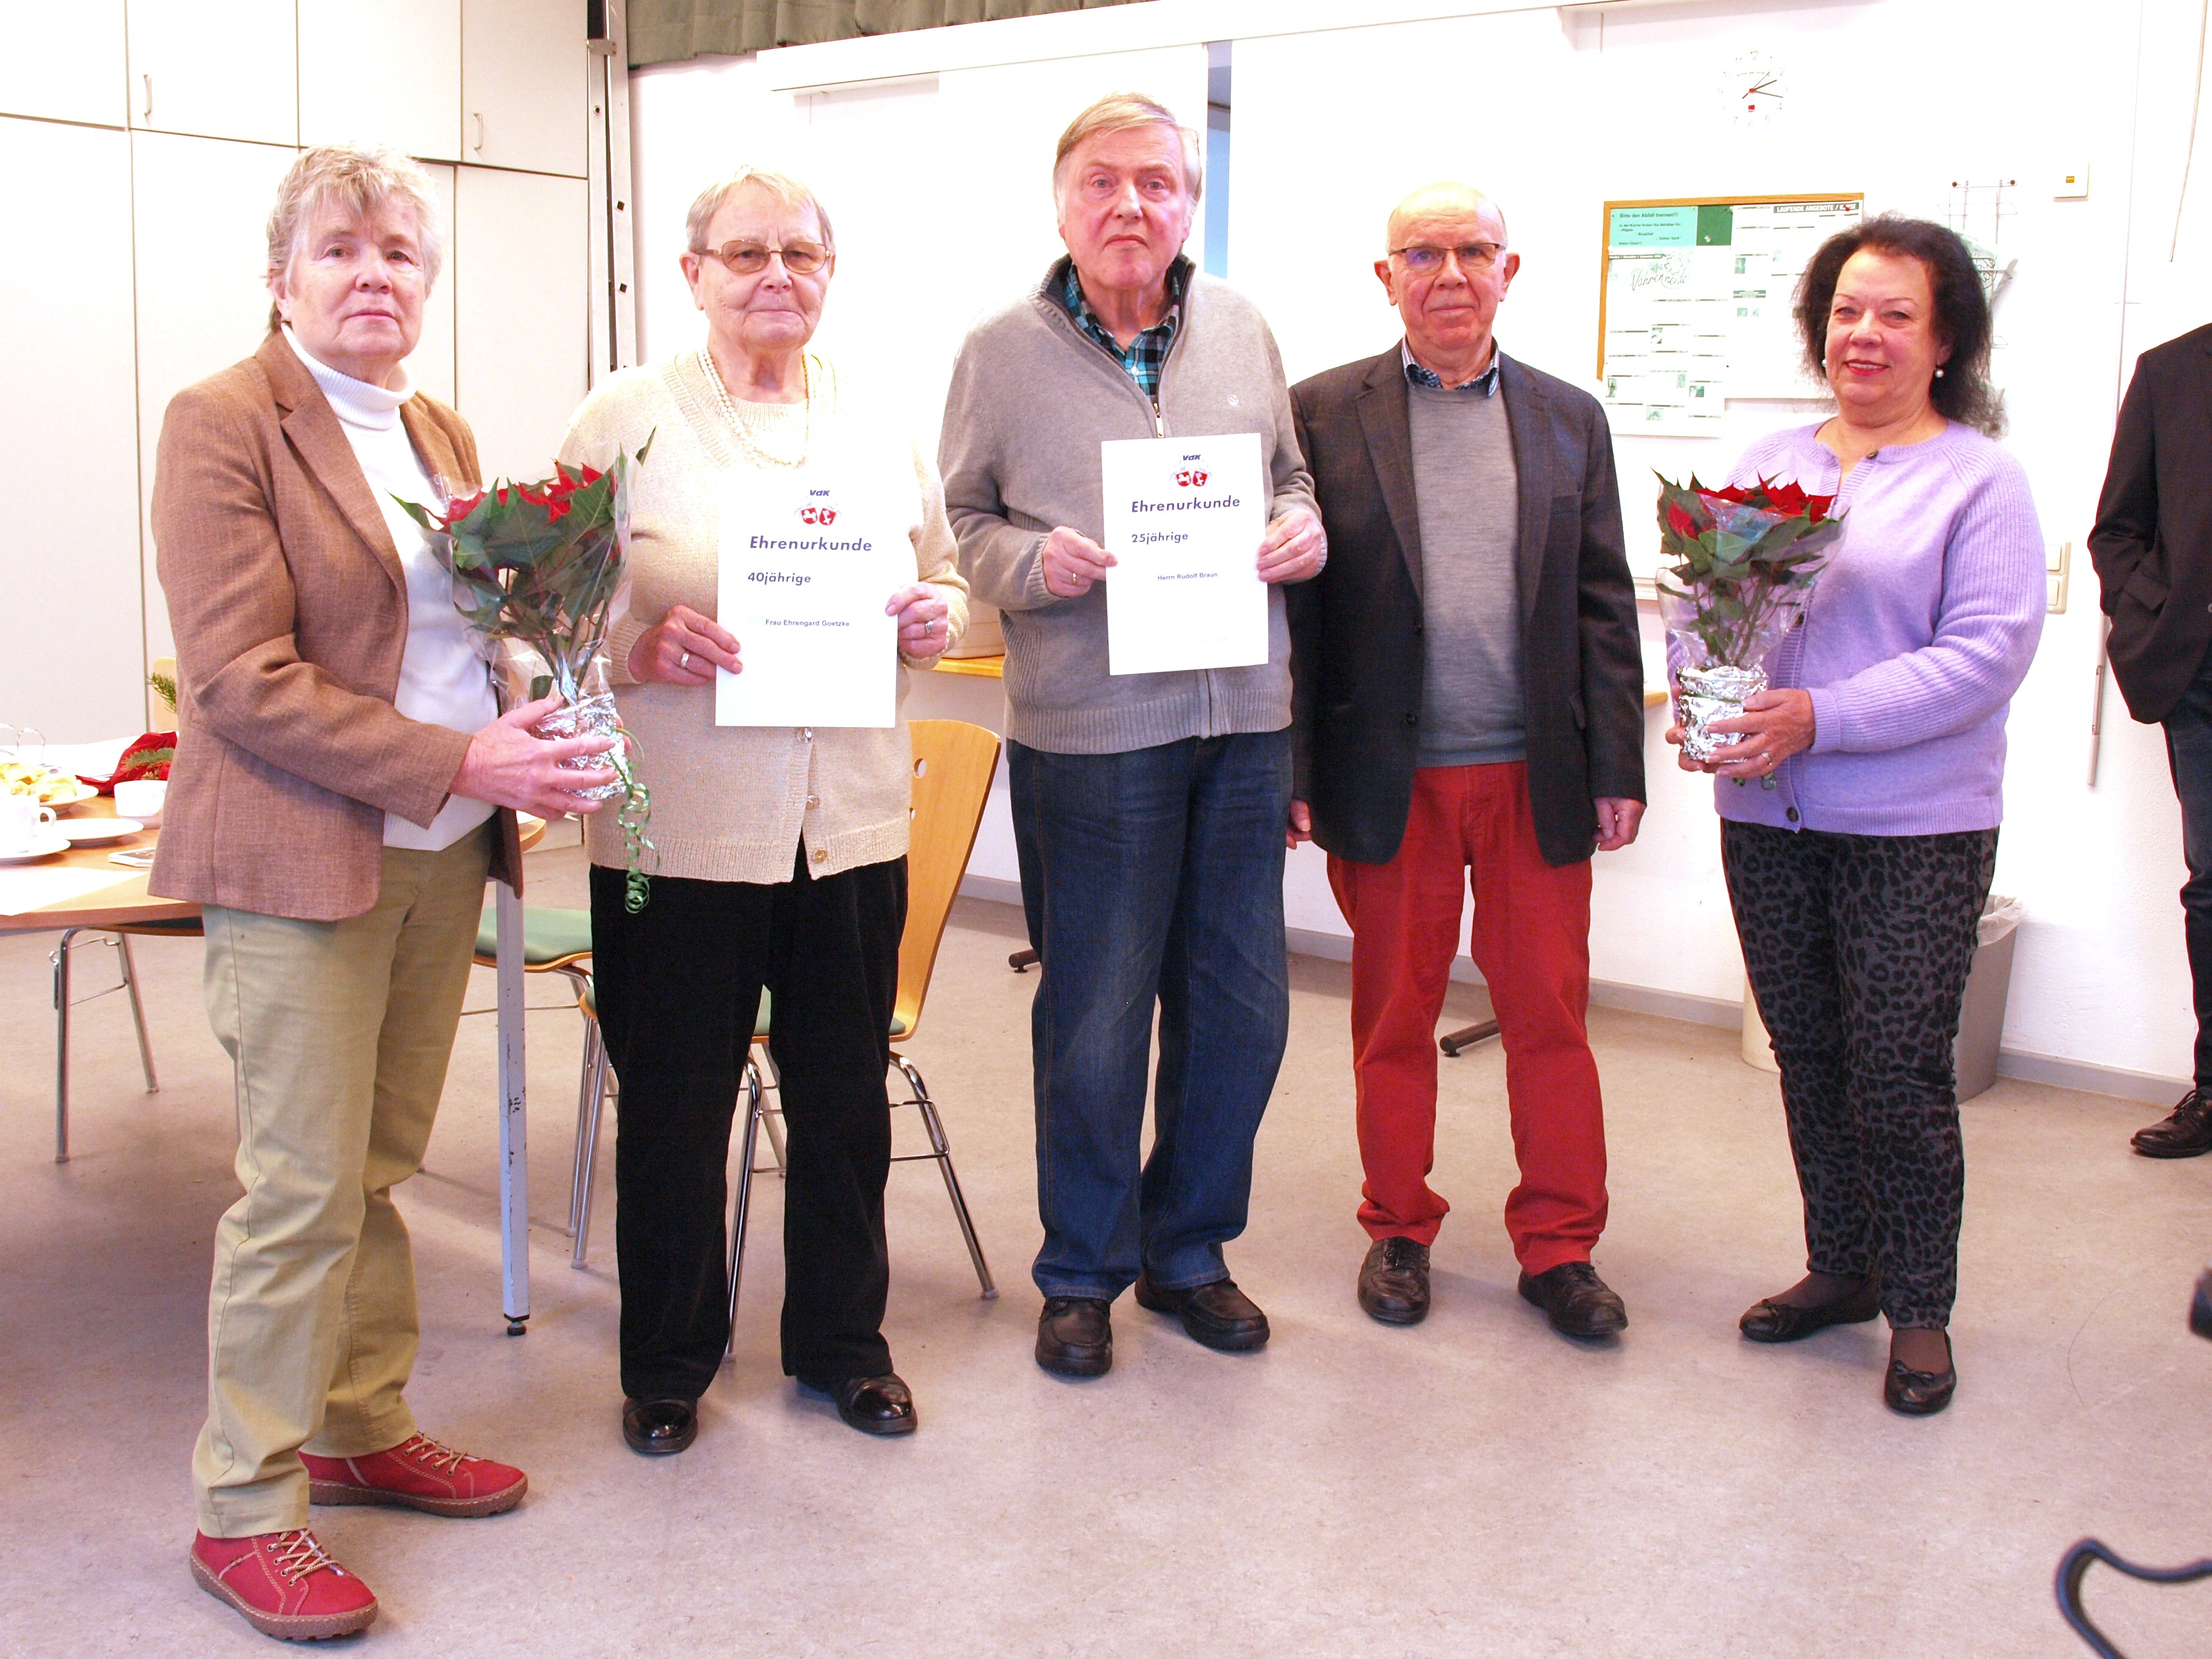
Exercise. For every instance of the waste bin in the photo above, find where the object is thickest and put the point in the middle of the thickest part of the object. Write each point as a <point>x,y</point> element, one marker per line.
<point>1981,1017</point>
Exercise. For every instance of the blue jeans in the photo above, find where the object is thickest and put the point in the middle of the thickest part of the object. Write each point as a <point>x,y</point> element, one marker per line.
<point>2189,752</point>
<point>1152,876</point>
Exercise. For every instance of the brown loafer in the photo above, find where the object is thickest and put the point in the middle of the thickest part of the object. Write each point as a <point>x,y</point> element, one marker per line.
<point>1920,1394</point>
<point>1769,1321</point>
<point>1394,1281</point>
<point>1075,1336</point>
<point>1217,1314</point>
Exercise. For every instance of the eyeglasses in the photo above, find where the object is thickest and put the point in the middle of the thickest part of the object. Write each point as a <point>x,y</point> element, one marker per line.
<point>1428,261</point>
<point>751,258</point>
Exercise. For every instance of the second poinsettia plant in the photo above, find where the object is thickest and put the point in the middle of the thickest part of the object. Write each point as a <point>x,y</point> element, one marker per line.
<point>1738,565</point>
<point>539,570</point>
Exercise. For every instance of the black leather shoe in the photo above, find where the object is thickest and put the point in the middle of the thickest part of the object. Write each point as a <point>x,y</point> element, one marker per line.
<point>1075,1336</point>
<point>660,1428</point>
<point>1218,1315</point>
<point>1394,1281</point>
<point>1575,1300</point>
<point>873,1405</point>
<point>2185,1132</point>
<point>1769,1321</point>
<point>1920,1394</point>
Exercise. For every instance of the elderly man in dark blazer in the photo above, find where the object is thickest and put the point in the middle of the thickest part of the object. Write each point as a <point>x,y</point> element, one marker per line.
<point>2153,547</point>
<point>1468,706</point>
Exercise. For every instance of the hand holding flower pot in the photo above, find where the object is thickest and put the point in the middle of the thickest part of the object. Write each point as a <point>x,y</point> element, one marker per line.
<point>1741,565</point>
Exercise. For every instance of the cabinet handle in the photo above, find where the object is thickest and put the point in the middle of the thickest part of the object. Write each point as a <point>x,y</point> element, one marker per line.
<point>149,80</point>
<point>480,132</point>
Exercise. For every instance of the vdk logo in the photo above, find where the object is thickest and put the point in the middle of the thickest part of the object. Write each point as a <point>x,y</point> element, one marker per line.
<point>1190,479</point>
<point>817,512</point>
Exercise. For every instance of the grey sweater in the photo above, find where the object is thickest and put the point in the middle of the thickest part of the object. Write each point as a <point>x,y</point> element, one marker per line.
<point>1030,400</point>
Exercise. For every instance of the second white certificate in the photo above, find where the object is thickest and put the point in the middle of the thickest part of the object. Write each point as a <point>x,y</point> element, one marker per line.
<point>1184,517</point>
<point>807,565</point>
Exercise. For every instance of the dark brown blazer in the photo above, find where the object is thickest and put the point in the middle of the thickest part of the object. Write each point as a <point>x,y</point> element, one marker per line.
<point>1356,629</point>
<point>2153,540</point>
<point>289,604</point>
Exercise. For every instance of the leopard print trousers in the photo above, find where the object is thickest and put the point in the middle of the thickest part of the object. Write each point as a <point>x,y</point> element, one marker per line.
<point>1857,948</point>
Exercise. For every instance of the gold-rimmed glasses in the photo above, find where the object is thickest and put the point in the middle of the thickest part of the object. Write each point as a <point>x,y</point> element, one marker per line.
<point>750,258</point>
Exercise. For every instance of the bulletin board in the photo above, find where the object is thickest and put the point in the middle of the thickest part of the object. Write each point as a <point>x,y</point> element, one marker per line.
<point>1693,307</point>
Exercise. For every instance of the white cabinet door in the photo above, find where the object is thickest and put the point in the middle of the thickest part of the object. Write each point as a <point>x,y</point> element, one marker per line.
<point>521,316</point>
<point>522,84</point>
<point>390,77</point>
<point>219,72</point>
<point>431,367</point>
<point>200,209</point>
<point>75,650</point>
<point>64,62</point>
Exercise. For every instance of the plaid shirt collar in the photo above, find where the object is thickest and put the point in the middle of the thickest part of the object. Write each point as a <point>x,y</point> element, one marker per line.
<point>1148,353</point>
<point>1486,383</point>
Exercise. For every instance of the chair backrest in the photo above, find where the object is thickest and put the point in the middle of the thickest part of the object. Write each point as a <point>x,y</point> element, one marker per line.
<point>953,765</point>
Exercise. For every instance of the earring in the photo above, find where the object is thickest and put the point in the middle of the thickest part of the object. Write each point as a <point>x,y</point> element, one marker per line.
<point>1939,374</point>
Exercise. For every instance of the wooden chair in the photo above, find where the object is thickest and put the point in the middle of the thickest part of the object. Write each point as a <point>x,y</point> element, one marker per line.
<point>953,765</point>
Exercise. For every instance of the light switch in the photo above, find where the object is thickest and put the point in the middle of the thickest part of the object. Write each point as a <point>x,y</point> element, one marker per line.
<point>2071,184</point>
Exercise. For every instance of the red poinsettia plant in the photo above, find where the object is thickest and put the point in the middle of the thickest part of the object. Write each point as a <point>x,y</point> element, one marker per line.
<point>1739,563</point>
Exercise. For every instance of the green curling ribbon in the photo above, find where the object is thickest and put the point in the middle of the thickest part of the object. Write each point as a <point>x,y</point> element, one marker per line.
<point>632,817</point>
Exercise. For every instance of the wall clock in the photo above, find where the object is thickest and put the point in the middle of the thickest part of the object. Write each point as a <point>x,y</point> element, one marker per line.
<point>1754,87</point>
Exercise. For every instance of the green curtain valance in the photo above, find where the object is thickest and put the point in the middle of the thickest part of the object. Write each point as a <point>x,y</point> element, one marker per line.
<point>670,31</point>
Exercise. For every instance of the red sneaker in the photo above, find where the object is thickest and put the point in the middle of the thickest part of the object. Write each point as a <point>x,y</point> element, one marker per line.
<point>418,1473</point>
<point>283,1585</point>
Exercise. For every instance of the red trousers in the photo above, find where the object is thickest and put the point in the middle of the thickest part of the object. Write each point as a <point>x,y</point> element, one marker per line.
<point>1531,941</point>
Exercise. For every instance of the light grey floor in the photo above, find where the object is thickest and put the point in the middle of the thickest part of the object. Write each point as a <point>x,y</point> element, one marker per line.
<point>1474,1486</point>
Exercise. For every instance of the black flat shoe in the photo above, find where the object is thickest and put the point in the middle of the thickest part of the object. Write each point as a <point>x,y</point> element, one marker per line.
<point>2185,1132</point>
<point>1394,1281</point>
<point>660,1428</point>
<point>1769,1321</point>
<point>1218,1314</point>
<point>1920,1394</point>
<point>1575,1300</point>
<point>873,1405</point>
<point>1075,1336</point>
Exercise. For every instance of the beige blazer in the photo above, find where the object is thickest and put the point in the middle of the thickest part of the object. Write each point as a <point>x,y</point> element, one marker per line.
<point>290,607</point>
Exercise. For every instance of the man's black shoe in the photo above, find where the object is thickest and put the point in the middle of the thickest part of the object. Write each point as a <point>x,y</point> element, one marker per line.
<point>660,1428</point>
<point>1218,1315</point>
<point>873,1405</point>
<point>1394,1281</point>
<point>1075,1337</point>
<point>1576,1301</point>
<point>2185,1132</point>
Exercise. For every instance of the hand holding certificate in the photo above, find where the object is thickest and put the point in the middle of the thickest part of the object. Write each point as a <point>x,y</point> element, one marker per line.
<point>807,564</point>
<point>1184,519</point>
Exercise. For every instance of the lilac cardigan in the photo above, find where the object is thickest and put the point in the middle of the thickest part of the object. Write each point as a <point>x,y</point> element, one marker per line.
<point>1919,633</point>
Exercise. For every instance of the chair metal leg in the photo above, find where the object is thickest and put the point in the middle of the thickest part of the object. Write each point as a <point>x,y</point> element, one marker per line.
<point>61,960</point>
<point>772,1116</point>
<point>941,1151</point>
<point>138,1014</point>
<point>752,1086</point>
<point>579,1169</point>
<point>1467,1036</point>
<point>587,1146</point>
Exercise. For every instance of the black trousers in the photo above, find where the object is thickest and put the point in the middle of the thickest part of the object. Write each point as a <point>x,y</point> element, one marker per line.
<point>678,986</point>
<point>1859,948</point>
<point>2189,752</point>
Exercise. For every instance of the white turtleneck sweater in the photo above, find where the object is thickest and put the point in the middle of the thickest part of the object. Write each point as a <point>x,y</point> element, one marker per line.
<point>442,679</point>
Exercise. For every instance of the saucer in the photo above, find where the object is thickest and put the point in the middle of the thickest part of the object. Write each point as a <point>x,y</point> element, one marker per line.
<point>96,832</point>
<point>43,847</point>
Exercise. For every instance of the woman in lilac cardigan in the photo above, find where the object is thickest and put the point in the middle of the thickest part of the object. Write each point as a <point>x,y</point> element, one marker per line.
<point>1860,808</point>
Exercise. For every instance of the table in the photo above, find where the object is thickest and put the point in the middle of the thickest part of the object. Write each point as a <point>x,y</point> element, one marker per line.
<point>128,905</point>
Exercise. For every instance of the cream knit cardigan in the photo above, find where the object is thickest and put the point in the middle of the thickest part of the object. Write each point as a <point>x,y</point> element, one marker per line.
<point>738,803</point>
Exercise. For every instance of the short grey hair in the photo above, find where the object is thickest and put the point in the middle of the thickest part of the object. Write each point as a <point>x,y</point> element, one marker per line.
<point>364,179</point>
<point>1119,112</point>
<point>781,185</point>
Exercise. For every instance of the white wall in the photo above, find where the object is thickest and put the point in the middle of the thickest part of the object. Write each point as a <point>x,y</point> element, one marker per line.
<point>1555,111</point>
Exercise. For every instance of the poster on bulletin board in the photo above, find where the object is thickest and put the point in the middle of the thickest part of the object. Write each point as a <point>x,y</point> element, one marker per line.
<point>1694,308</point>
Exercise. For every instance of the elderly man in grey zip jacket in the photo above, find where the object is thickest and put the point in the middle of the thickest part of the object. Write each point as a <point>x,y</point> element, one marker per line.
<point>1150,810</point>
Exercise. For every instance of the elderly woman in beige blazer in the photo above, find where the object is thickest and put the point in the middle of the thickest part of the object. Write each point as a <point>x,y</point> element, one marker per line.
<point>782,850</point>
<point>340,793</point>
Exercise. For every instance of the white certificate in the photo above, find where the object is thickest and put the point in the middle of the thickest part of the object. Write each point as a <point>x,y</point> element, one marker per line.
<point>1184,517</point>
<point>807,564</point>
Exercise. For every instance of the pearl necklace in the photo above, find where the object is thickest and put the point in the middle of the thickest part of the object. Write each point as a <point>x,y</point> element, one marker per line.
<point>738,427</point>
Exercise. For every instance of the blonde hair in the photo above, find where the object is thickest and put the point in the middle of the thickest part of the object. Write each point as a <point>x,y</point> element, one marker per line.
<point>365,180</point>
<point>1119,112</point>
<point>781,185</point>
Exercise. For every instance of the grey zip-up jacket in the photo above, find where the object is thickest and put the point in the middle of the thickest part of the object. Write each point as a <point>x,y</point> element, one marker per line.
<point>1031,399</point>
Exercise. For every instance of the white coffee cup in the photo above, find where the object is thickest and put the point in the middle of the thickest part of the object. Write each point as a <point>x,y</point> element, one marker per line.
<point>21,818</point>
<point>141,799</point>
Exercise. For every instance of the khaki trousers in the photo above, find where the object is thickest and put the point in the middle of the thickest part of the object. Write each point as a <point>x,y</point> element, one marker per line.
<point>339,1033</point>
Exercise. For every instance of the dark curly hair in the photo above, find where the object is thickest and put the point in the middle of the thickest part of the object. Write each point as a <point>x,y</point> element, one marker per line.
<point>1962,310</point>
